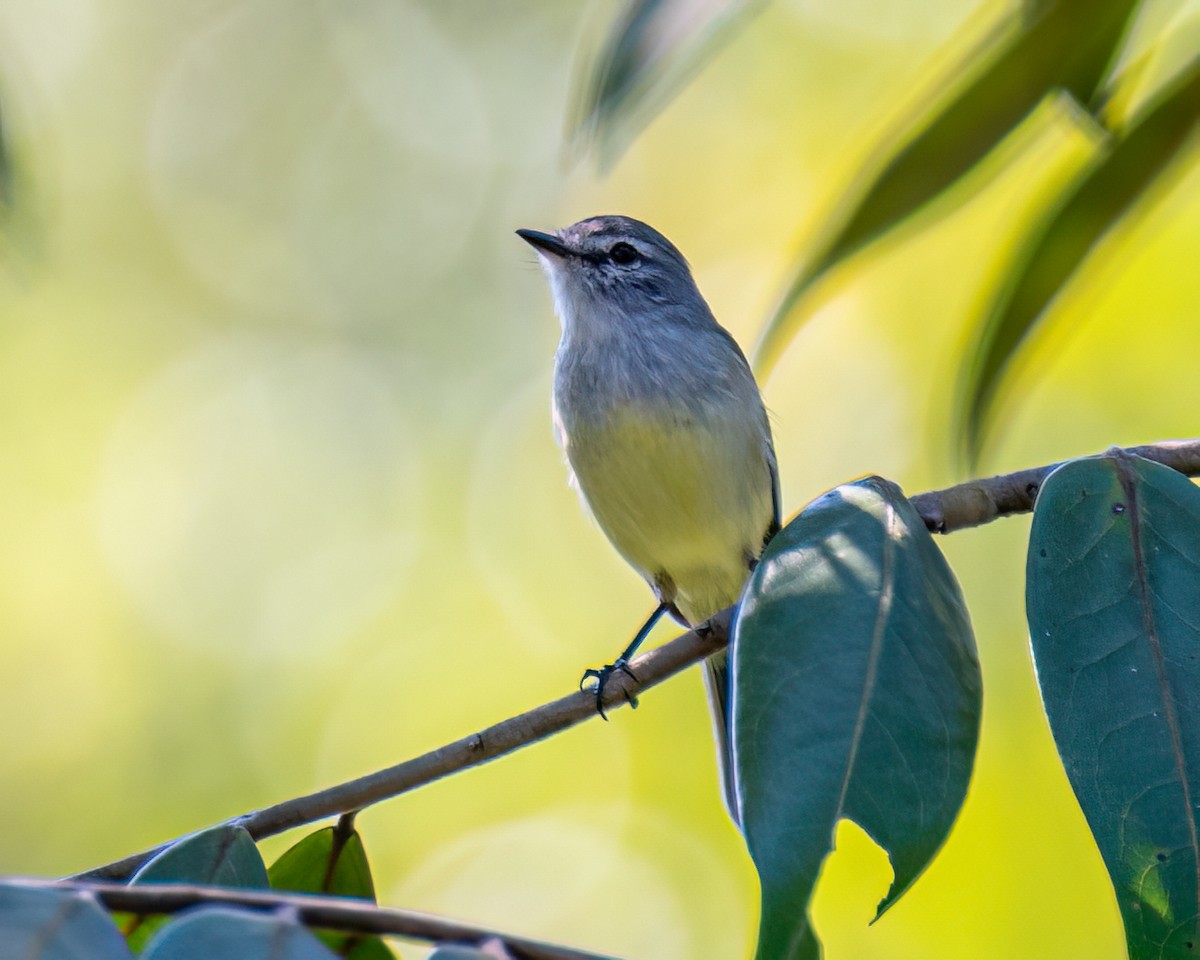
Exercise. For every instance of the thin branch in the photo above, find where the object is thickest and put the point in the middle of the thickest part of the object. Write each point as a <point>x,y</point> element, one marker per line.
<point>981,501</point>
<point>496,741</point>
<point>333,913</point>
<point>944,511</point>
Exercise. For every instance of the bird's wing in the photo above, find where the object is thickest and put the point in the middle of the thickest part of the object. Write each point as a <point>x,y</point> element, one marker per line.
<point>716,667</point>
<point>776,499</point>
<point>716,685</point>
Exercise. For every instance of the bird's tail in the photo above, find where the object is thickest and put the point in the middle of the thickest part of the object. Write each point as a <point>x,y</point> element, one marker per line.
<point>716,682</point>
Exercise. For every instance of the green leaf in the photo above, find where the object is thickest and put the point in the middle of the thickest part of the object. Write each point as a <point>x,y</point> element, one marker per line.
<point>223,856</point>
<point>1096,202</point>
<point>213,932</point>
<point>655,46</point>
<point>1051,44</point>
<point>325,862</point>
<point>332,861</point>
<point>1113,599</point>
<point>856,694</point>
<point>41,924</point>
<point>360,948</point>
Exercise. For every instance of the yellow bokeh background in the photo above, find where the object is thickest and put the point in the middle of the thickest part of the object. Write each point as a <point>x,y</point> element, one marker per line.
<point>280,499</point>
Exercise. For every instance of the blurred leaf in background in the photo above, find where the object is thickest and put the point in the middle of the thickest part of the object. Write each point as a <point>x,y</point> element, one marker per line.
<point>6,170</point>
<point>653,48</point>
<point>1068,46</point>
<point>1047,45</point>
<point>1107,191</point>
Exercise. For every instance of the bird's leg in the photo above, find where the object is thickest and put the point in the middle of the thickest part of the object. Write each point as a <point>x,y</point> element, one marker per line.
<point>622,662</point>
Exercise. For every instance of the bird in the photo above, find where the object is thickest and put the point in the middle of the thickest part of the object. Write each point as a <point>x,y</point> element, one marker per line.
<point>663,428</point>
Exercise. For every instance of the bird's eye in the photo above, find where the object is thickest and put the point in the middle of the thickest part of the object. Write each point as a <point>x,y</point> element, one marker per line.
<point>623,253</point>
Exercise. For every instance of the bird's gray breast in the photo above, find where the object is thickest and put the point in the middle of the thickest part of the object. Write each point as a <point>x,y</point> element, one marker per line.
<point>671,451</point>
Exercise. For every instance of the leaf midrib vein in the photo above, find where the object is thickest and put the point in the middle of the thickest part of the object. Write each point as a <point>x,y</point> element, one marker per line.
<point>887,593</point>
<point>1150,626</point>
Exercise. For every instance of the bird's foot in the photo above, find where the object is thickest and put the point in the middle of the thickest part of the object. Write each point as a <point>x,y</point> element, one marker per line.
<point>602,676</point>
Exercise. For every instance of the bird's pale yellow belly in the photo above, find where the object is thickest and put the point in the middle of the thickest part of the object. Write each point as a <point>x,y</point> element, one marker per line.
<point>689,498</point>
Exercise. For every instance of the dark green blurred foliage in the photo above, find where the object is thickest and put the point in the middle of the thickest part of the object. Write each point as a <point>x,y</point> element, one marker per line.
<point>1055,45</point>
<point>1127,165</point>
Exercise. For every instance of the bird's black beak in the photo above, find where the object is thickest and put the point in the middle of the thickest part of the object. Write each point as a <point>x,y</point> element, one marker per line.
<point>545,242</point>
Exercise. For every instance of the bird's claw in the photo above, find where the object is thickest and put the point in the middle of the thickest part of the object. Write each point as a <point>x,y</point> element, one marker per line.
<point>602,676</point>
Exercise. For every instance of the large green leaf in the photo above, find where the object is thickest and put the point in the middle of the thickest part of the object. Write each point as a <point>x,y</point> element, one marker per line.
<point>856,694</point>
<point>332,861</point>
<point>40,924</point>
<point>1053,44</point>
<point>1114,617</point>
<point>223,856</point>
<point>654,47</point>
<point>1094,204</point>
<point>221,932</point>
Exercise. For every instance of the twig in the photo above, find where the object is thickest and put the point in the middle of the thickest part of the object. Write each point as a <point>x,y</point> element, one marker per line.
<point>944,511</point>
<point>497,740</point>
<point>981,501</point>
<point>335,913</point>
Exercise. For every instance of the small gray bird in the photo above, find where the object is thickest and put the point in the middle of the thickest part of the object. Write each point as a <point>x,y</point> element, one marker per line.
<point>662,425</point>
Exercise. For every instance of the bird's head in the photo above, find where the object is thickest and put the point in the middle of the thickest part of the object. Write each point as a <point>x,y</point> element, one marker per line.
<point>614,270</point>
